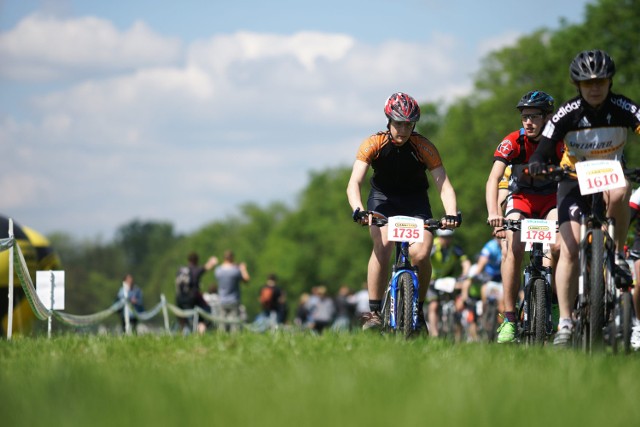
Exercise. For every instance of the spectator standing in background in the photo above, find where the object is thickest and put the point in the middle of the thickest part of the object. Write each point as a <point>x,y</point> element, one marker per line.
<point>323,311</point>
<point>270,297</point>
<point>229,276</point>
<point>361,302</point>
<point>344,309</point>
<point>188,293</point>
<point>133,294</point>
<point>301,319</point>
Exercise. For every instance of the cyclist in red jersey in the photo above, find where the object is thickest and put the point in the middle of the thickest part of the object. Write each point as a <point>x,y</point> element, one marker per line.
<point>400,158</point>
<point>593,125</point>
<point>528,198</point>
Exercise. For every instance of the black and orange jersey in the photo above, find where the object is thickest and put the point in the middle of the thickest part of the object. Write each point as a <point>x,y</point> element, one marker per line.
<point>399,169</point>
<point>591,134</point>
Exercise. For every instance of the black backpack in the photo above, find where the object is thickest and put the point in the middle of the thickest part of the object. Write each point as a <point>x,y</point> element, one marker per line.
<point>183,281</point>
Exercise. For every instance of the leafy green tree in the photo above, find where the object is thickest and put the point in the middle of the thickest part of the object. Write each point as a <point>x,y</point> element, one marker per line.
<point>140,243</point>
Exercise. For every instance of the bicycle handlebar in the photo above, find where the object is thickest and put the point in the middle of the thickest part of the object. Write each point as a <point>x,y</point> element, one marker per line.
<point>515,224</point>
<point>556,173</point>
<point>380,220</point>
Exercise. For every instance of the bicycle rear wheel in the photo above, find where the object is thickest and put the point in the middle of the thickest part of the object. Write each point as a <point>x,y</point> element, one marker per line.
<point>405,304</point>
<point>596,291</point>
<point>538,310</point>
<point>627,313</point>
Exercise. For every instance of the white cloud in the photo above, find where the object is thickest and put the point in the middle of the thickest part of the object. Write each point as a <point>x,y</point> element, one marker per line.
<point>243,117</point>
<point>42,48</point>
<point>498,42</point>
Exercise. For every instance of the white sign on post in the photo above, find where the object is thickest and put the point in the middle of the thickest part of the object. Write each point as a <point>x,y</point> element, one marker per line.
<point>43,288</point>
<point>596,176</point>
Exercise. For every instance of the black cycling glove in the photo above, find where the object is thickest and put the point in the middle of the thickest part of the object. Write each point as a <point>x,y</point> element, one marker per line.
<point>356,215</point>
<point>535,168</point>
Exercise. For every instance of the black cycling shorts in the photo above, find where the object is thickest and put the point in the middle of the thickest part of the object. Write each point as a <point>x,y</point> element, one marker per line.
<point>415,205</point>
<point>571,204</point>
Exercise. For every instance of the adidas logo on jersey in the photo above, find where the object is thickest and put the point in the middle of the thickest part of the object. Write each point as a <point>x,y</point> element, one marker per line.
<point>565,109</point>
<point>624,104</point>
<point>584,123</point>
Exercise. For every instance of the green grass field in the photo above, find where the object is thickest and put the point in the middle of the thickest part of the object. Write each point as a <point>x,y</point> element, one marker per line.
<point>289,379</point>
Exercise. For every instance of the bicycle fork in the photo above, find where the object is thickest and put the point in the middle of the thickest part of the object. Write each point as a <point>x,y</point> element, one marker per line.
<point>393,295</point>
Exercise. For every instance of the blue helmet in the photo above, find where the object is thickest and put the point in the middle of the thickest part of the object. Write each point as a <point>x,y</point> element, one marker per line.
<point>536,99</point>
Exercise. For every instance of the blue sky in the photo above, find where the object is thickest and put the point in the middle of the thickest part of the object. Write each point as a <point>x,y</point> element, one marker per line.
<point>182,111</point>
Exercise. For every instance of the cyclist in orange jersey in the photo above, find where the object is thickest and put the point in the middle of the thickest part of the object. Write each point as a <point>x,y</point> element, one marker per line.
<point>400,158</point>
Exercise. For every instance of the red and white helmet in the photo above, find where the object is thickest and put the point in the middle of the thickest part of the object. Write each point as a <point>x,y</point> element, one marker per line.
<point>400,107</point>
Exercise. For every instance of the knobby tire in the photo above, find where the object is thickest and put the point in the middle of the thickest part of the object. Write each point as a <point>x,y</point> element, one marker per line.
<point>596,291</point>
<point>490,320</point>
<point>538,311</point>
<point>386,312</point>
<point>405,303</point>
<point>626,302</point>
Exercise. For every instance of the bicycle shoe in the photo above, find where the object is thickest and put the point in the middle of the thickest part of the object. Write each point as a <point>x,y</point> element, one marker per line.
<point>563,337</point>
<point>635,337</point>
<point>371,321</point>
<point>422,328</point>
<point>506,332</point>
<point>622,273</point>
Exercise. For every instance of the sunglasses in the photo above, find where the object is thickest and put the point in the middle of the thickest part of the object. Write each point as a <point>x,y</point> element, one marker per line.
<point>531,117</point>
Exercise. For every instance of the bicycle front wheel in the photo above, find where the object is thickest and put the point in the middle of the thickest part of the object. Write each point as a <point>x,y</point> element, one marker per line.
<point>596,291</point>
<point>538,309</point>
<point>386,311</point>
<point>405,304</point>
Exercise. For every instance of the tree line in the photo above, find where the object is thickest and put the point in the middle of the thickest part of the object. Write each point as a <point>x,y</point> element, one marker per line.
<point>317,243</point>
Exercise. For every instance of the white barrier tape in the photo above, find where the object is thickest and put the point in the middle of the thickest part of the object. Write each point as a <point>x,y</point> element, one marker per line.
<point>6,243</point>
<point>22,271</point>
<point>218,319</point>
<point>88,319</point>
<point>186,313</point>
<point>43,313</point>
<point>145,315</point>
<point>179,312</point>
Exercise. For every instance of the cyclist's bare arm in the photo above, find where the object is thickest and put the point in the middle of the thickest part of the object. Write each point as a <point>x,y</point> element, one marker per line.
<point>358,174</point>
<point>466,265</point>
<point>494,216</point>
<point>447,194</point>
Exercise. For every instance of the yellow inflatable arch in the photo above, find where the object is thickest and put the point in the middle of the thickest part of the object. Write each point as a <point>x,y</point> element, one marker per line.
<point>39,255</point>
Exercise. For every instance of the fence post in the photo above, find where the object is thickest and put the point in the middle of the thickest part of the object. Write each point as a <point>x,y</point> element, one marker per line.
<point>164,313</point>
<point>125,310</point>
<point>10,308</point>
<point>53,285</point>
<point>194,326</point>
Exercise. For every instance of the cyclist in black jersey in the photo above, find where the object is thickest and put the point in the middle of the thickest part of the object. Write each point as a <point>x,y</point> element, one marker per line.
<point>400,159</point>
<point>593,126</point>
<point>634,215</point>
